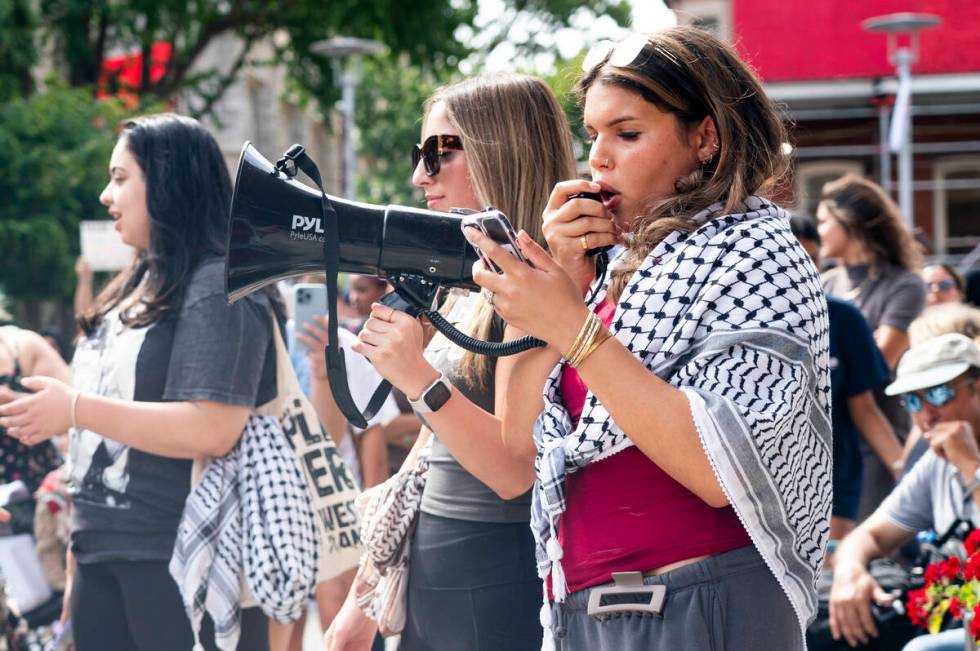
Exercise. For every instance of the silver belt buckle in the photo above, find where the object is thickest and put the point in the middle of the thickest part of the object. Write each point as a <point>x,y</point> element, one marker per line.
<point>628,583</point>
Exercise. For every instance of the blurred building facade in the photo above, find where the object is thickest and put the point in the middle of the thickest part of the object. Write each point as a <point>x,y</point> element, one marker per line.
<point>256,106</point>
<point>837,88</point>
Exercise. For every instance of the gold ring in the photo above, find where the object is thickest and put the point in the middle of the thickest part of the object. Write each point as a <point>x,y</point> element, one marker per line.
<point>584,243</point>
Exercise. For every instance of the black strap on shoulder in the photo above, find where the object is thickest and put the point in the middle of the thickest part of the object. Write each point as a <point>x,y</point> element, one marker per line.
<point>295,157</point>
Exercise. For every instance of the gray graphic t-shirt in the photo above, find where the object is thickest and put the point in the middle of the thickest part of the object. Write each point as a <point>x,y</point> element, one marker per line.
<point>127,503</point>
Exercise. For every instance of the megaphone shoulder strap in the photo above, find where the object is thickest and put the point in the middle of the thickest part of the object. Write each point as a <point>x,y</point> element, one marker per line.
<point>336,366</point>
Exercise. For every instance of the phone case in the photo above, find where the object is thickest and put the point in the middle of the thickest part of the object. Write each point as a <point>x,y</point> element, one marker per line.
<point>309,299</point>
<point>497,228</point>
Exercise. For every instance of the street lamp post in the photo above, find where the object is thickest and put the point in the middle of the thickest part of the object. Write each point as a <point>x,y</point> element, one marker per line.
<point>344,51</point>
<point>902,55</point>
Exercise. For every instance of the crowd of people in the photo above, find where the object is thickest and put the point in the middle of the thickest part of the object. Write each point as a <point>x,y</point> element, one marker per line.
<point>744,402</point>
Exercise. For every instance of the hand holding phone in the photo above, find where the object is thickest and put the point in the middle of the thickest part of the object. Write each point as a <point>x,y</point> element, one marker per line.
<point>309,301</point>
<point>595,197</point>
<point>496,226</point>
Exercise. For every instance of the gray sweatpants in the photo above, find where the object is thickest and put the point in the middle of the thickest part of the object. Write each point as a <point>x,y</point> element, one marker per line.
<point>728,602</point>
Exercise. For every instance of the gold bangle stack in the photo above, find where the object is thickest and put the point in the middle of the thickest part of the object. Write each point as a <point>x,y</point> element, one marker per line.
<point>590,337</point>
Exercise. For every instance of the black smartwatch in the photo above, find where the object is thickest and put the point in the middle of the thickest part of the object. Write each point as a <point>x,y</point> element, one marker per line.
<point>434,396</point>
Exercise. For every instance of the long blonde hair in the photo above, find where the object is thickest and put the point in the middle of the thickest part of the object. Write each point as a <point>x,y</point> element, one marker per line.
<point>692,75</point>
<point>518,146</point>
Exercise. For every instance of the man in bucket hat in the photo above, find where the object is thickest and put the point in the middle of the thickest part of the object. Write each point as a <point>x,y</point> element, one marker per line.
<point>939,381</point>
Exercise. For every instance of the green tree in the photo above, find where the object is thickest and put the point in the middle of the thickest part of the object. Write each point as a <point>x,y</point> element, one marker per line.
<point>55,148</point>
<point>563,81</point>
<point>434,35</point>
<point>87,31</point>
<point>389,116</point>
<point>17,51</point>
<point>392,90</point>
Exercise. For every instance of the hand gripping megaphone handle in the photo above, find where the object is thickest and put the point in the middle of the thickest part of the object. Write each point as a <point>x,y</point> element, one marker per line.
<point>296,159</point>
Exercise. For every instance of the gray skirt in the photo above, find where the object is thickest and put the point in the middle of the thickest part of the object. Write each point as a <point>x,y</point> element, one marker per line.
<point>727,602</point>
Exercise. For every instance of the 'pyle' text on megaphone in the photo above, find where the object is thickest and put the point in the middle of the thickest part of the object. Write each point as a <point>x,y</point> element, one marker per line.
<point>279,228</point>
<point>276,231</point>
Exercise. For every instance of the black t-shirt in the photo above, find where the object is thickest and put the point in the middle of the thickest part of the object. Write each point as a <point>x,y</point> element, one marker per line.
<point>856,366</point>
<point>128,503</point>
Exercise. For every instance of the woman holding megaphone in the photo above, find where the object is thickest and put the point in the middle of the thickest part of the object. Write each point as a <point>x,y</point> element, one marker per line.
<point>503,141</point>
<point>684,451</point>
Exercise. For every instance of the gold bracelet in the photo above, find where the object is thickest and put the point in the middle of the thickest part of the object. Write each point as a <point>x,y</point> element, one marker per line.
<point>580,355</point>
<point>601,337</point>
<point>74,409</point>
<point>587,331</point>
<point>589,342</point>
<point>581,335</point>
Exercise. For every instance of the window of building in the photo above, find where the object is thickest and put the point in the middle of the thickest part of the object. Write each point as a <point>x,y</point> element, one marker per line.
<point>711,15</point>
<point>812,176</point>
<point>956,205</point>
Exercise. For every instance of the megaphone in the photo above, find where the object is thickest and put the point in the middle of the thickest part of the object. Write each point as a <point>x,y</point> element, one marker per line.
<point>279,228</point>
<point>276,231</point>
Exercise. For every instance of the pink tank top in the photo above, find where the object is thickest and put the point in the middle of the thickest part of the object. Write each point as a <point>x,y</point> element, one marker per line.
<point>626,514</point>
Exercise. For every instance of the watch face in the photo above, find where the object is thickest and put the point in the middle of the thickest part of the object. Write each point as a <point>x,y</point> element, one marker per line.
<point>437,396</point>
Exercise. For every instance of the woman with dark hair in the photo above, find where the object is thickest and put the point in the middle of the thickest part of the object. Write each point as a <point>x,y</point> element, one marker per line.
<point>861,226</point>
<point>944,284</point>
<point>683,444</point>
<point>166,372</point>
<point>879,272</point>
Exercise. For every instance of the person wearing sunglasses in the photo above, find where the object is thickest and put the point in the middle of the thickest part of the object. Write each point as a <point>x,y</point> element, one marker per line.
<point>939,383</point>
<point>944,284</point>
<point>683,487</point>
<point>500,140</point>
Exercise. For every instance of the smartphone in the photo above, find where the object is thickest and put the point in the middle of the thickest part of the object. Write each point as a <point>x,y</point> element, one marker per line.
<point>497,227</point>
<point>309,300</point>
<point>595,197</point>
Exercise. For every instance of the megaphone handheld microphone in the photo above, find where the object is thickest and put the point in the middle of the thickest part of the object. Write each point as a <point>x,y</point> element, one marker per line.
<point>279,228</point>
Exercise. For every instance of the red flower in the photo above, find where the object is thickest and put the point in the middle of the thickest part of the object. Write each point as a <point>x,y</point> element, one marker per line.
<point>955,609</point>
<point>975,622</point>
<point>972,542</point>
<point>915,604</point>
<point>933,573</point>
<point>951,567</point>
<point>972,568</point>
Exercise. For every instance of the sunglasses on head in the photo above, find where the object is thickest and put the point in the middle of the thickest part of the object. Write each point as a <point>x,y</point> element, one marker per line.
<point>936,396</point>
<point>620,54</point>
<point>430,152</point>
<point>656,61</point>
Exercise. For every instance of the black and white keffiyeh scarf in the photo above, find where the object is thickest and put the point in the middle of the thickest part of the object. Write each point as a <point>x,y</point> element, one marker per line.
<point>733,315</point>
<point>249,517</point>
